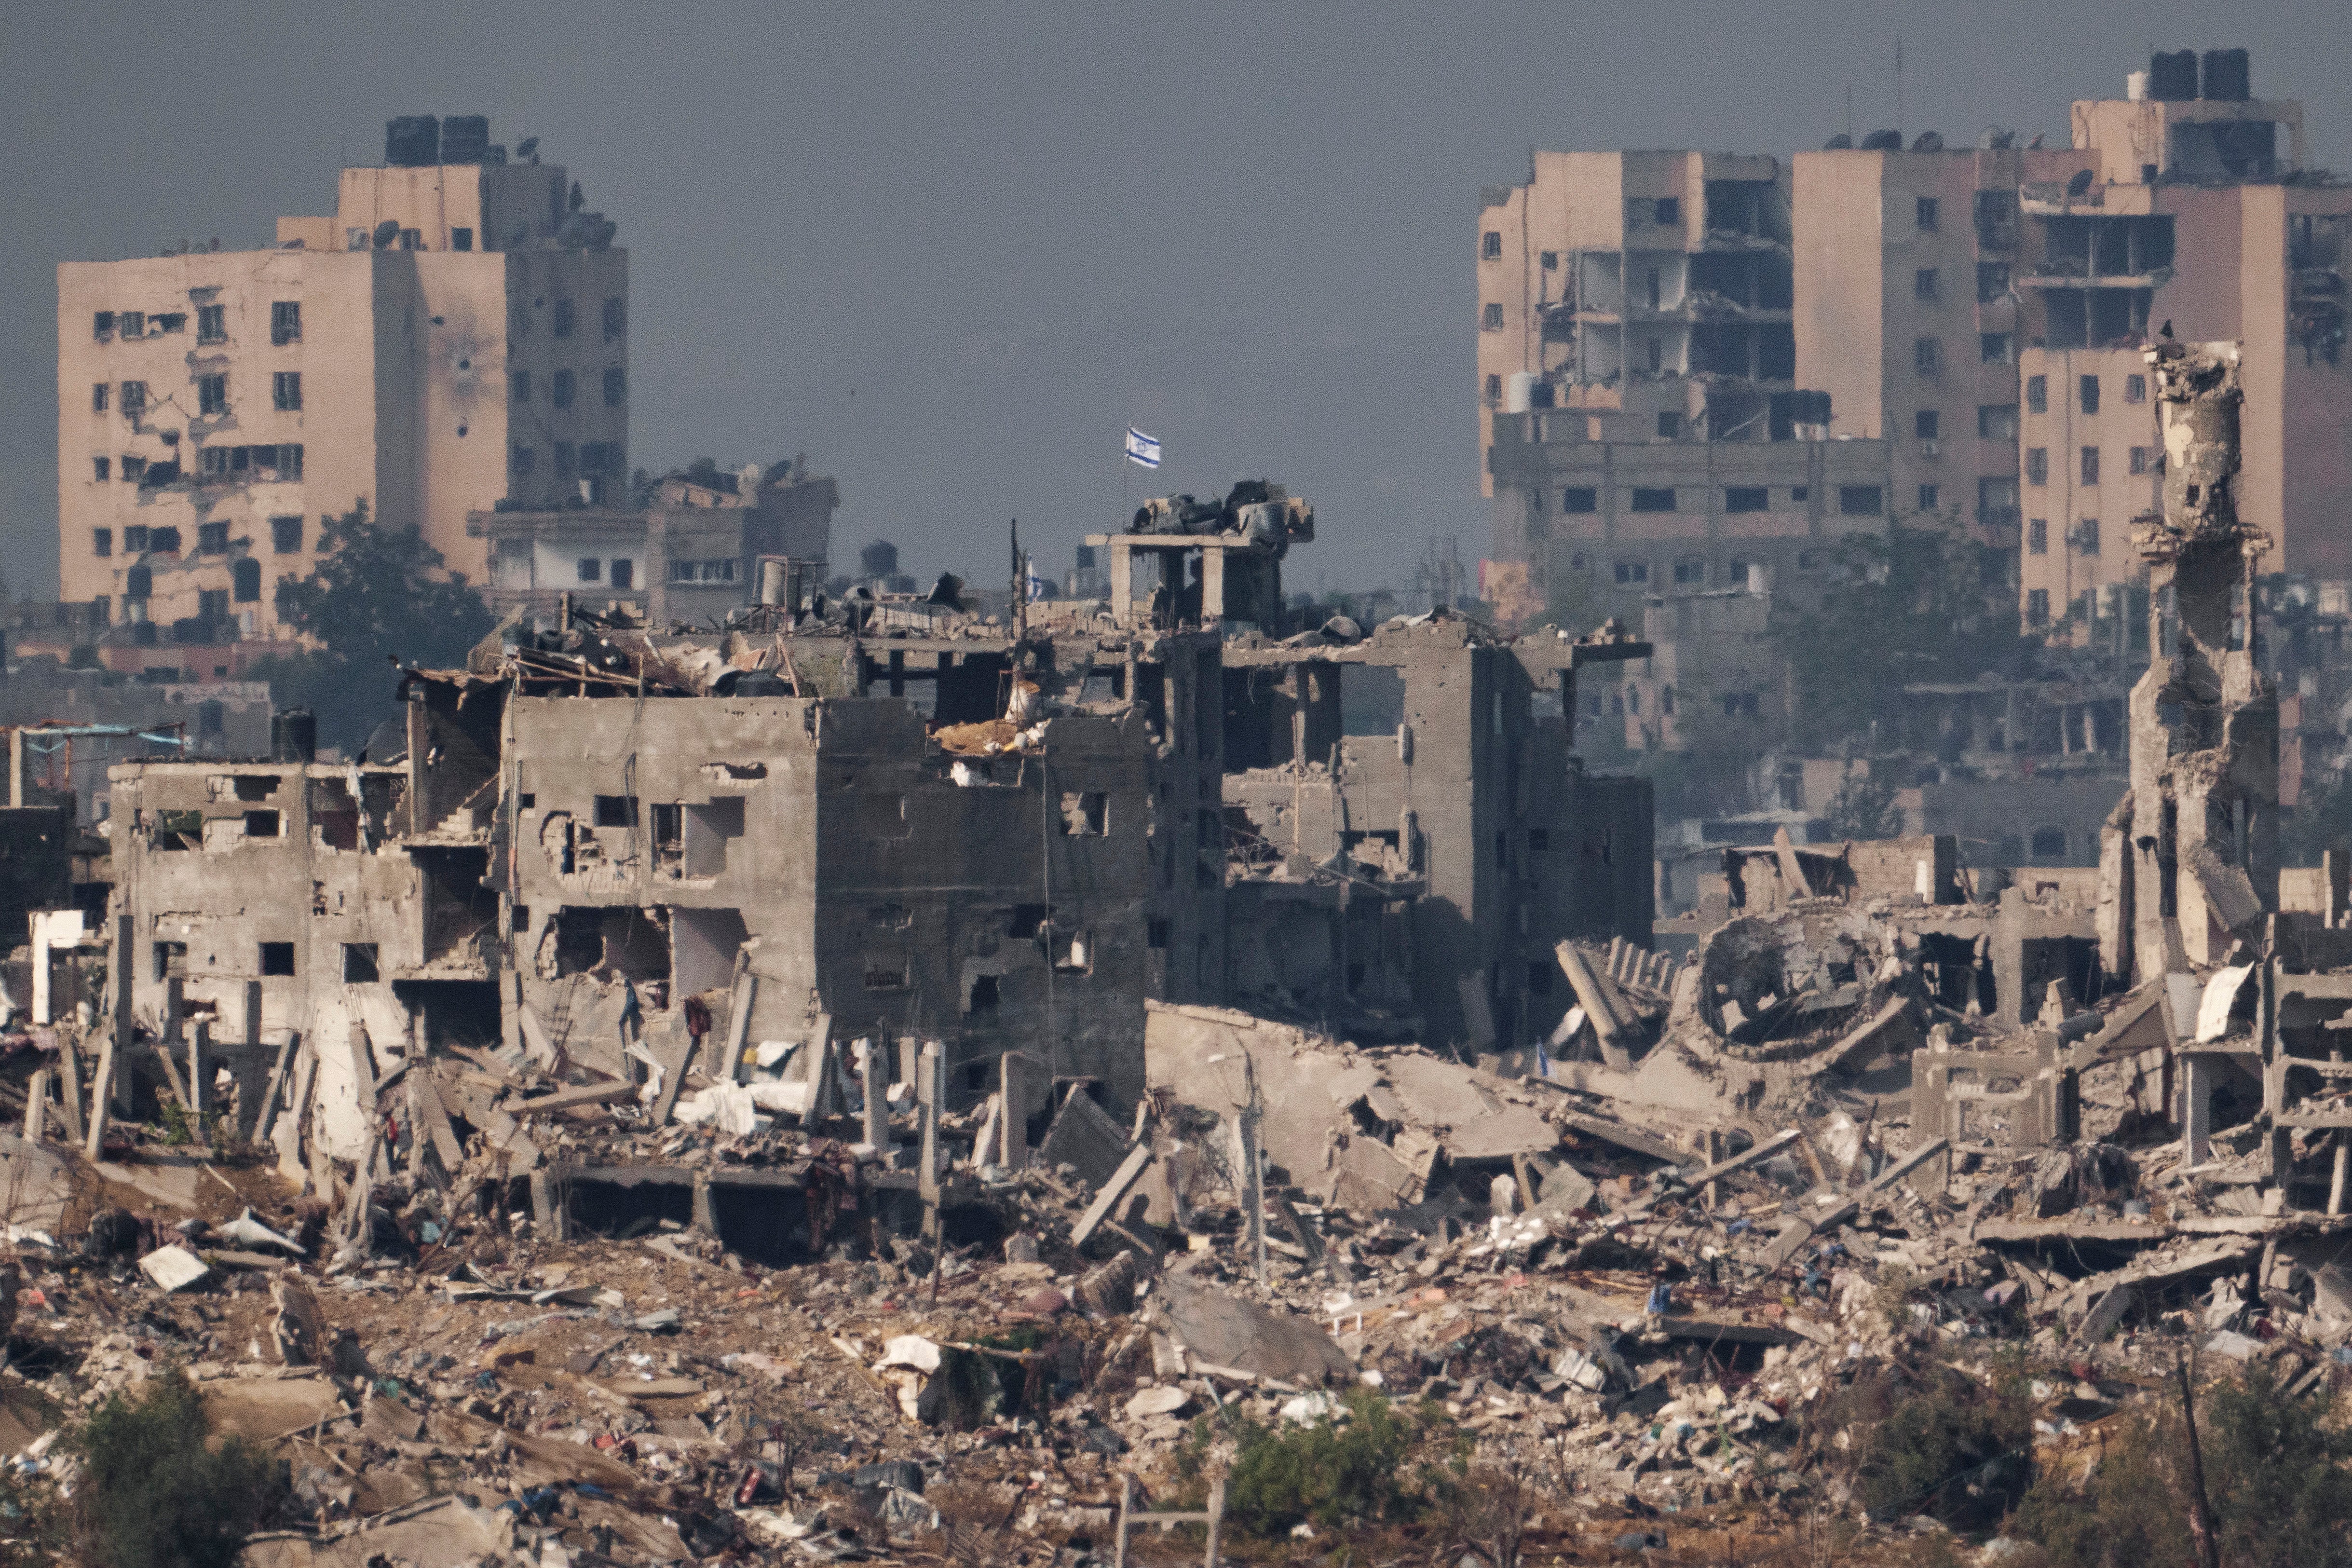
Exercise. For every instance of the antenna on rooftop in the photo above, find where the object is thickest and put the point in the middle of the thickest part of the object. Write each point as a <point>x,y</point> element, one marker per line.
<point>1898,87</point>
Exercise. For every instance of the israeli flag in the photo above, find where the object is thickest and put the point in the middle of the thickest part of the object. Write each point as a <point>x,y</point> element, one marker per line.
<point>1142,449</point>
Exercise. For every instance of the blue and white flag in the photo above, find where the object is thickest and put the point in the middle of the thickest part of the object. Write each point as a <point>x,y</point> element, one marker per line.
<point>1142,449</point>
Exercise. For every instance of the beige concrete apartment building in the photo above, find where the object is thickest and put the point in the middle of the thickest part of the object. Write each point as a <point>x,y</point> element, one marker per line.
<point>2193,211</point>
<point>452,339</point>
<point>1904,317</point>
<point>1642,417</point>
<point>1648,289</point>
<point>1961,327</point>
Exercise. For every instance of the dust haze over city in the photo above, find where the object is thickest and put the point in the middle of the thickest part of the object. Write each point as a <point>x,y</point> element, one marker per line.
<point>1079,786</point>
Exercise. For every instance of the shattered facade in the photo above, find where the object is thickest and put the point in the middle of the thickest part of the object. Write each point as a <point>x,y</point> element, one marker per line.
<point>2192,853</point>
<point>1962,325</point>
<point>605,844</point>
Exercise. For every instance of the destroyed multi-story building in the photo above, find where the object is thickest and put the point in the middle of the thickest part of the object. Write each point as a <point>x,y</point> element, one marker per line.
<point>893,819</point>
<point>454,336</point>
<point>2191,857</point>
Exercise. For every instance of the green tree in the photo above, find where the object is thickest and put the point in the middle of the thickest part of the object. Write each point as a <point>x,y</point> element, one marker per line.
<point>377,597</point>
<point>1335,1475</point>
<point>1908,609</point>
<point>2275,1472</point>
<point>1863,808</point>
<point>158,1490</point>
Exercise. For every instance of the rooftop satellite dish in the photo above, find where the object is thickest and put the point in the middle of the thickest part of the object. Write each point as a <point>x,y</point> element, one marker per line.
<point>528,148</point>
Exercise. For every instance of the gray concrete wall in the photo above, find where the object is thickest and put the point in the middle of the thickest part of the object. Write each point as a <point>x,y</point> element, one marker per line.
<point>592,784</point>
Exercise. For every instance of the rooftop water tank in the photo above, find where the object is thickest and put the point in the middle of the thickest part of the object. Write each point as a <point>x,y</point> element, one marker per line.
<point>2172,78</point>
<point>466,139</point>
<point>2229,75</point>
<point>412,142</point>
<point>293,736</point>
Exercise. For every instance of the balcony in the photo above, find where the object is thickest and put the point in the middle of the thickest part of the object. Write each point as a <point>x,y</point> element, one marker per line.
<point>2074,275</point>
<point>2052,199</point>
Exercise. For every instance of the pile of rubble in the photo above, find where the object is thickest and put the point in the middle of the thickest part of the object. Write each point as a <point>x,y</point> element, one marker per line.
<point>967,1355</point>
<point>637,1284</point>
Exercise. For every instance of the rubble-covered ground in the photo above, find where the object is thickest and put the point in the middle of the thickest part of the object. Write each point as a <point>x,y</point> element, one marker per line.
<point>1583,1356</point>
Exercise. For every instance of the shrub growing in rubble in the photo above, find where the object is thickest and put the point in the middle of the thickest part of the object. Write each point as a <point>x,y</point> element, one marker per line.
<point>1933,1440</point>
<point>1332,1473</point>
<point>2275,1472</point>
<point>155,1492</point>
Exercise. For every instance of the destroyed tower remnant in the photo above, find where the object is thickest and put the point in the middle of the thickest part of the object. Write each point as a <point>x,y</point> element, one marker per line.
<point>2192,850</point>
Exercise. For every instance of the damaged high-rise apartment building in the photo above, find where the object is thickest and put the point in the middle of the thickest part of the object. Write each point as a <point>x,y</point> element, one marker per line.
<point>893,817</point>
<point>1699,370</point>
<point>452,339</point>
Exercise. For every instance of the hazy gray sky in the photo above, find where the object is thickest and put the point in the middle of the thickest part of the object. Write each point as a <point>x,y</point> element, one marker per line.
<point>951,251</point>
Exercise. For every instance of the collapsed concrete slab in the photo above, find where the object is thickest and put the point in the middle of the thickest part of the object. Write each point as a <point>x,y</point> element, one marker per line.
<point>1361,1127</point>
<point>1227,1332</point>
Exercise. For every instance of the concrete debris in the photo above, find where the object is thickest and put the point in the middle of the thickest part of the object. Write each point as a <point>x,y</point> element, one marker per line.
<point>298,1331</point>
<point>173,1267</point>
<point>943,1060</point>
<point>1358,1127</point>
<point>1222,1330</point>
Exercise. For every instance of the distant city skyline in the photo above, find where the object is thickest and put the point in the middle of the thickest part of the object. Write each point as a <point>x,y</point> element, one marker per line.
<point>953,256</point>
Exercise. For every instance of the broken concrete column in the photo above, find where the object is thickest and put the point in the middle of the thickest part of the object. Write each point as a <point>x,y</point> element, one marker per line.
<point>2203,822</point>
<point>871,1086</point>
<point>549,1208</point>
<point>1600,1010</point>
<point>930,1093</point>
<point>69,1101</point>
<point>114,1078</point>
<point>2126,953</point>
<point>36,1106</point>
<point>2199,1072</point>
<point>200,1039</point>
<point>1025,1087</point>
<point>706,1212</point>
